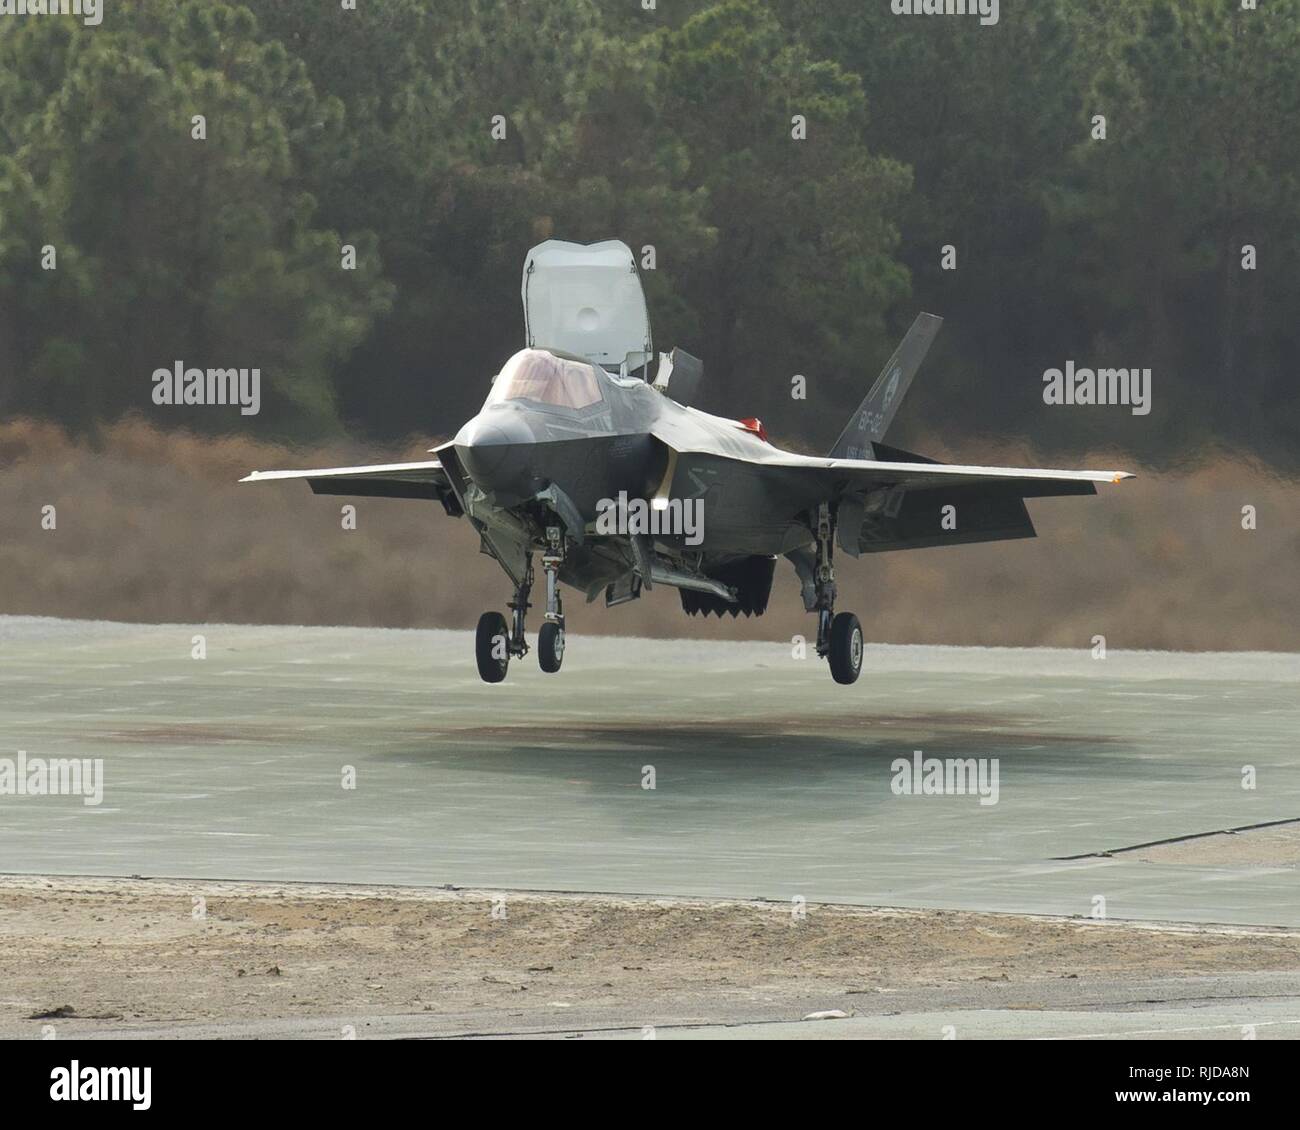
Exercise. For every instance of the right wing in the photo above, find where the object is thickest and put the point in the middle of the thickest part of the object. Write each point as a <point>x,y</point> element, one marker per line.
<point>898,501</point>
<point>381,480</point>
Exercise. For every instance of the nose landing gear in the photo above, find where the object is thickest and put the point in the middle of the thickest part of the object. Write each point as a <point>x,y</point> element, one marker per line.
<point>496,642</point>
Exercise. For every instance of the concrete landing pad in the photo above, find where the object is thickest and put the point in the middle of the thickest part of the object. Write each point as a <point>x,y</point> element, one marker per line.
<point>770,780</point>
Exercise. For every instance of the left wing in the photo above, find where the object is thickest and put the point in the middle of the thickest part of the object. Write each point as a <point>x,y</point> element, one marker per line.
<point>381,480</point>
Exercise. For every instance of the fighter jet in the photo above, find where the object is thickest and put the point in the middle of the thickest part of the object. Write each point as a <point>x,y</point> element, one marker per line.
<point>616,482</point>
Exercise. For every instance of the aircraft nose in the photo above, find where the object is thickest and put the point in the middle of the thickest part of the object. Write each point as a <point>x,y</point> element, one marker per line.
<point>494,449</point>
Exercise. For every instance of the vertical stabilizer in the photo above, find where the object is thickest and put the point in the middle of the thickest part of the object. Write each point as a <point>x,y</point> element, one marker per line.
<point>871,421</point>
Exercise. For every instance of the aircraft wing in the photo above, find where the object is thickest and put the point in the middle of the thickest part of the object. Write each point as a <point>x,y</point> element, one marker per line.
<point>897,501</point>
<point>870,473</point>
<point>383,480</point>
<point>732,443</point>
<point>894,504</point>
<point>925,504</point>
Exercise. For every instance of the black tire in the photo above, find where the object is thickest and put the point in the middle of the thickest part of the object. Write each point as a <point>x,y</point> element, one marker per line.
<point>493,637</point>
<point>550,647</point>
<point>846,648</point>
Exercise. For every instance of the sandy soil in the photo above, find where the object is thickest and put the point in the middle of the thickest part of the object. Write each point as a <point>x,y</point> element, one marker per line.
<point>127,952</point>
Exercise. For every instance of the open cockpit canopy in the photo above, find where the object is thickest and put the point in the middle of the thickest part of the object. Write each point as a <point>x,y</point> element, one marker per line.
<point>586,299</point>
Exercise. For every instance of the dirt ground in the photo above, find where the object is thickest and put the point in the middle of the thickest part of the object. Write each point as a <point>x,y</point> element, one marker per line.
<point>117,952</point>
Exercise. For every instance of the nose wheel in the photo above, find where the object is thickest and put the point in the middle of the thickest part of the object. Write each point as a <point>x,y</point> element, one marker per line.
<point>550,647</point>
<point>492,647</point>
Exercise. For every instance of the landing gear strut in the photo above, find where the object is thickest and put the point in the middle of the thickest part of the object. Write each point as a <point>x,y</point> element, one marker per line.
<point>519,610</point>
<point>550,641</point>
<point>839,637</point>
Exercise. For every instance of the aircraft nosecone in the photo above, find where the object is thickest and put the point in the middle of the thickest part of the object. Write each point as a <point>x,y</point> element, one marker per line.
<point>496,449</point>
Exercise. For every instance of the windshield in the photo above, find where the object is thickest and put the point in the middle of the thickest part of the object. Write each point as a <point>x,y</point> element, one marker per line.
<point>534,374</point>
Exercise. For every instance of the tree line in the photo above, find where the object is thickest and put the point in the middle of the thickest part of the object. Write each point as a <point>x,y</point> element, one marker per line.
<point>1107,182</point>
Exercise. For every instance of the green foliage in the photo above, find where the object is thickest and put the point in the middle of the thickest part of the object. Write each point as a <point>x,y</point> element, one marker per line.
<point>670,128</point>
<point>801,268</point>
<point>170,248</point>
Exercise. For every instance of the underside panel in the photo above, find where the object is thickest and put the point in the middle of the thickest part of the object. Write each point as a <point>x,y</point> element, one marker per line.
<point>376,488</point>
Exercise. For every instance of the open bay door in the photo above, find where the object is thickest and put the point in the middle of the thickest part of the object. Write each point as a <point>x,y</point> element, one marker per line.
<point>586,299</point>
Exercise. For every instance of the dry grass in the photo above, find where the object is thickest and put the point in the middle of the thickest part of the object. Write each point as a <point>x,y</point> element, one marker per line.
<point>153,527</point>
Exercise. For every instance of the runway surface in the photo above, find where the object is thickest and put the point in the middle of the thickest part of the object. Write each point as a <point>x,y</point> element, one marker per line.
<point>770,780</point>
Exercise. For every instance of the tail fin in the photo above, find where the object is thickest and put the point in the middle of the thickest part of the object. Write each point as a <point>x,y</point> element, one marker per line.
<point>873,417</point>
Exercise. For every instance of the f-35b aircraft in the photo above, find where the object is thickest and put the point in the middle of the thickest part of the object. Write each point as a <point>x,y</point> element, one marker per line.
<point>577,458</point>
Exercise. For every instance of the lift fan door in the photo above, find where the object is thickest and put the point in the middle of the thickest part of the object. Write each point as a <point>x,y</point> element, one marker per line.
<point>586,299</point>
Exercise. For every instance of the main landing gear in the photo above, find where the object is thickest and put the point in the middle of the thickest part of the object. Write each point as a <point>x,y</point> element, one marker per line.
<point>839,635</point>
<point>495,642</point>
